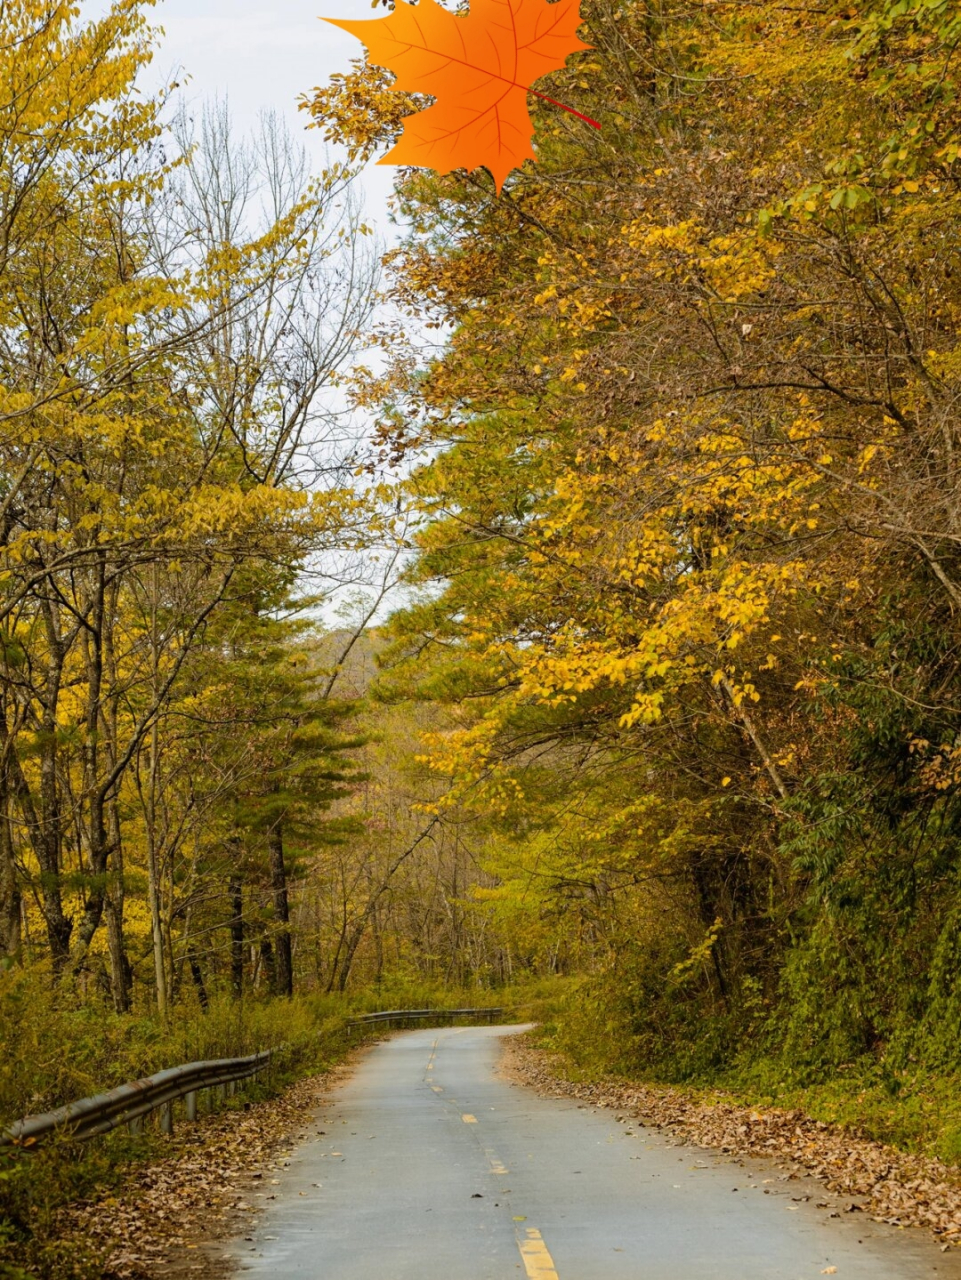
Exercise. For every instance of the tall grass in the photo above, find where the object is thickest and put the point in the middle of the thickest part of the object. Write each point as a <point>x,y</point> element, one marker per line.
<point>55,1050</point>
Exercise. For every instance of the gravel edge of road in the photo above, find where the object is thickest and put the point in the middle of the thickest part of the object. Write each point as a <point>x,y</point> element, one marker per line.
<point>173,1215</point>
<point>889,1185</point>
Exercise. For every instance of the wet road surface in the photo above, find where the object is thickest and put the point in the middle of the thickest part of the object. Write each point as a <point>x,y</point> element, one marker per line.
<point>431,1167</point>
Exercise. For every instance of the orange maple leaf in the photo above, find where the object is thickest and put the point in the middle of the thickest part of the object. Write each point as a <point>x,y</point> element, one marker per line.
<point>479,67</point>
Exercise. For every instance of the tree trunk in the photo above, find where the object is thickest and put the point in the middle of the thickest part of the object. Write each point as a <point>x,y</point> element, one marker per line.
<point>57,925</point>
<point>48,824</point>
<point>156,927</point>
<point>10,897</point>
<point>150,818</point>
<point>153,876</point>
<point>235,894</point>
<point>283,983</point>
<point>350,951</point>
<point>269,962</point>
<point>119,964</point>
<point>198,978</point>
<point>95,835</point>
<point>120,973</point>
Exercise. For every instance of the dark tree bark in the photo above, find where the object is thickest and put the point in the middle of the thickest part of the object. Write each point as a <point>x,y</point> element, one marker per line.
<point>198,978</point>
<point>121,976</point>
<point>269,962</point>
<point>97,848</point>
<point>283,983</point>
<point>10,897</point>
<point>44,836</point>
<point>113,908</point>
<point>48,823</point>
<point>235,894</point>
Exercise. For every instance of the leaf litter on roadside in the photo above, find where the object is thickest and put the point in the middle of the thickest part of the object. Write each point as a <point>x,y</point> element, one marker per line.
<point>170,1212</point>
<point>896,1187</point>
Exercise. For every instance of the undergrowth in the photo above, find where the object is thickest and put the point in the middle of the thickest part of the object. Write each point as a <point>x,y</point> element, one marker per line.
<point>912,1102</point>
<point>57,1050</point>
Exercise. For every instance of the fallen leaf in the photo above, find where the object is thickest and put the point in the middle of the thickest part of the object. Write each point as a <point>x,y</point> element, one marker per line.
<point>896,1186</point>
<point>197,1193</point>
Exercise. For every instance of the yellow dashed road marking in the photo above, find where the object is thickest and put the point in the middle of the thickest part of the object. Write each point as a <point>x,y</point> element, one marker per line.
<point>538,1263</point>
<point>469,1119</point>
<point>496,1166</point>
<point>437,1088</point>
<point>430,1060</point>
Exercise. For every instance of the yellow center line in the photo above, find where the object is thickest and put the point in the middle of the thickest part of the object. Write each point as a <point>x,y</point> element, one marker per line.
<point>437,1088</point>
<point>433,1055</point>
<point>468,1119</point>
<point>538,1263</point>
<point>495,1164</point>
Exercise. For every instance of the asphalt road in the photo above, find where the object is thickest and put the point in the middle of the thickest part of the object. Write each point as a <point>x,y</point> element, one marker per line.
<point>427,1166</point>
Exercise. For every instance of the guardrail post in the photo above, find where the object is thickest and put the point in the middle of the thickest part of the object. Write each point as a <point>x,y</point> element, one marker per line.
<point>190,1101</point>
<point>167,1118</point>
<point>135,1125</point>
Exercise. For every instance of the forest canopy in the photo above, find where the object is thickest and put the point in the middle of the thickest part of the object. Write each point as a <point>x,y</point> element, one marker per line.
<point>664,435</point>
<point>686,471</point>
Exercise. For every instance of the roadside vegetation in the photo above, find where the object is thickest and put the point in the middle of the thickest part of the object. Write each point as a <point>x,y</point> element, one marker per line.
<point>64,1050</point>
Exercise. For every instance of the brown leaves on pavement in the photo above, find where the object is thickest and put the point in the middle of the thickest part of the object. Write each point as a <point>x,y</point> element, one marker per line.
<point>897,1188</point>
<point>171,1212</point>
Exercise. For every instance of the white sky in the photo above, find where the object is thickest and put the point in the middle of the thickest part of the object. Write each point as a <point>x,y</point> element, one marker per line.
<point>263,56</point>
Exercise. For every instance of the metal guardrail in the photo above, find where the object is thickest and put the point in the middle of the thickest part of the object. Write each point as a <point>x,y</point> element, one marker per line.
<point>419,1015</point>
<point>129,1103</point>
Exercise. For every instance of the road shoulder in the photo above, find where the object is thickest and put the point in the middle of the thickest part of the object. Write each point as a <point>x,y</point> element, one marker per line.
<point>886,1184</point>
<point>173,1215</point>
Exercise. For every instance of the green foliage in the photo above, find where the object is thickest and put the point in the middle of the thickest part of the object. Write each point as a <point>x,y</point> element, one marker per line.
<point>916,1108</point>
<point>635,1021</point>
<point>57,1048</point>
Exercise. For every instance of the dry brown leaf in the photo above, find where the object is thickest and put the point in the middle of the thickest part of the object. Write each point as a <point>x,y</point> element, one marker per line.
<point>895,1187</point>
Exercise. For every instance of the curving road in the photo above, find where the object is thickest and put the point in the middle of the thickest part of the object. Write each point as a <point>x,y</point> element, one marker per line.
<point>428,1166</point>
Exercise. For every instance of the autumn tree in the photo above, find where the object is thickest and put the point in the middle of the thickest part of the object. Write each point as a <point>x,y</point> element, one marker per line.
<point>687,489</point>
<point>164,363</point>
